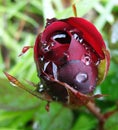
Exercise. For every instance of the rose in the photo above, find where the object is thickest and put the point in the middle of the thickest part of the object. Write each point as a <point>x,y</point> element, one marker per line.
<point>71,59</point>
<point>70,51</point>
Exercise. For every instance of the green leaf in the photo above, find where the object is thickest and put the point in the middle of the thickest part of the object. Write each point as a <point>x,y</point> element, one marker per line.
<point>13,98</point>
<point>110,84</point>
<point>82,6</point>
<point>12,9</point>
<point>84,122</point>
<point>15,119</point>
<point>105,15</point>
<point>112,122</point>
<point>58,118</point>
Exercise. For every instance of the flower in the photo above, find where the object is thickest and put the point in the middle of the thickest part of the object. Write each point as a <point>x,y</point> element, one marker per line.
<point>70,51</point>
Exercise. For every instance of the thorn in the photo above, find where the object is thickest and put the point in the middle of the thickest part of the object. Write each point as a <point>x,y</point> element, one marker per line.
<point>47,107</point>
<point>24,50</point>
<point>13,80</point>
<point>9,77</point>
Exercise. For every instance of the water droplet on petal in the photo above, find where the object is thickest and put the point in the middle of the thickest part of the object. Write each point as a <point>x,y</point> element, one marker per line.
<point>81,77</point>
<point>52,44</point>
<point>86,59</point>
<point>76,87</point>
<point>54,70</point>
<point>55,98</point>
<point>46,49</point>
<point>66,54</point>
<point>91,88</point>
<point>75,36</point>
<point>45,65</point>
<point>41,58</point>
<point>41,88</point>
<point>81,40</point>
<point>97,63</point>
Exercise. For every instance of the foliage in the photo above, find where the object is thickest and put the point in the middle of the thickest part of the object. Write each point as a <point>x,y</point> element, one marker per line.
<point>20,22</point>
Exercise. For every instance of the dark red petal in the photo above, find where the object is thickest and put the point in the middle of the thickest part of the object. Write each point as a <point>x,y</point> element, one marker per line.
<point>36,48</point>
<point>75,51</point>
<point>78,75</point>
<point>90,33</point>
<point>50,29</point>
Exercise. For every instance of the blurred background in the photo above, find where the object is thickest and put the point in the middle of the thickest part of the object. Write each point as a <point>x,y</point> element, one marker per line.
<point>20,22</point>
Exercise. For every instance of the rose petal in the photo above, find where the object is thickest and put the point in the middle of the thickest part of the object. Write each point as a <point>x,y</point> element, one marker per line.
<point>50,29</point>
<point>91,34</point>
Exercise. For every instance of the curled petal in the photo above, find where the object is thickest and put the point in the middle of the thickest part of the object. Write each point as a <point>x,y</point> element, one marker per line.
<point>55,26</point>
<point>90,33</point>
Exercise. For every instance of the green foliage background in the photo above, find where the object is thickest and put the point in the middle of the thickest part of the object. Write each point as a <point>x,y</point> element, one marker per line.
<point>20,22</point>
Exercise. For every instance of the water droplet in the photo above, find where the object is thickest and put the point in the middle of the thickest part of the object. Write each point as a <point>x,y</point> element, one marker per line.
<point>66,54</point>
<point>76,87</point>
<point>45,65</point>
<point>97,63</point>
<point>86,48</point>
<point>81,77</point>
<point>75,36</point>
<point>55,98</point>
<point>86,59</point>
<point>47,48</point>
<point>14,85</point>
<point>52,44</point>
<point>41,58</point>
<point>41,88</point>
<point>81,40</point>
<point>54,70</point>
<point>91,88</point>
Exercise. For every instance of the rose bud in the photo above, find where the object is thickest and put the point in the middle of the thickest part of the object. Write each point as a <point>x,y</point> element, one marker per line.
<point>71,59</point>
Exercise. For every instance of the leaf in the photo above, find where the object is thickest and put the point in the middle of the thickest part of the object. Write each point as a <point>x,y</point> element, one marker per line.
<point>84,122</point>
<point>110,85</point>
<point>58,118</point>
<point>83,6</point>
<point>112,122</point>
<point>12,9</point>
<point>12,98</point>
<point>15,119</point>
<point>105,15</point>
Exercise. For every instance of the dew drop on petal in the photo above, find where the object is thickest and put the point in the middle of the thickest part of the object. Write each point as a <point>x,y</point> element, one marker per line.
<point>52,44</point>
<point>45,65</point>
<point>91,88</point>
<point>75,36</point>
<point>66,54</point>
<point>41,88</point>
<point>81,40</point>
<point>55,98</point>
<point>46,49</point>
<point>54,70</point>
<point>97,63</point>
<point>81,77</point>
<point>86,59</point>
<point>41,58</point>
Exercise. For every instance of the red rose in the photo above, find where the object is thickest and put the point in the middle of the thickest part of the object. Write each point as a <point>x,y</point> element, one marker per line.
<point>71,60</point>
<point>70,51</point>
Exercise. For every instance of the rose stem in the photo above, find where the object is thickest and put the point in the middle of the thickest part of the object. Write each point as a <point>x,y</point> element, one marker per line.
<point>96,111</point>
